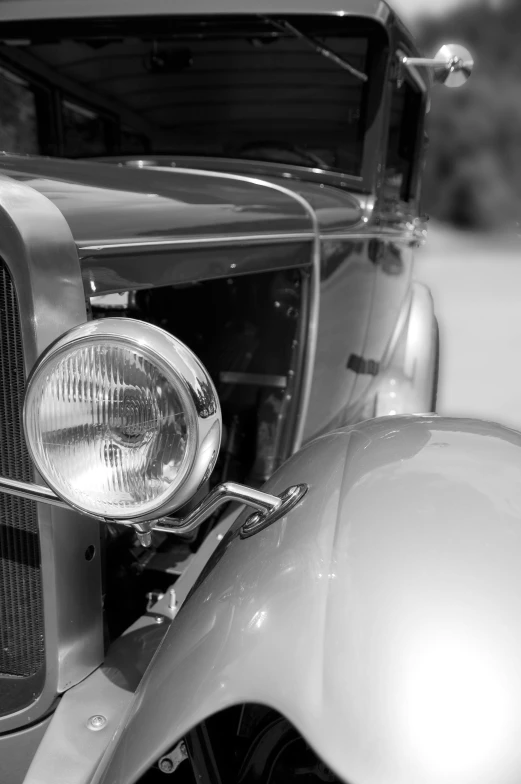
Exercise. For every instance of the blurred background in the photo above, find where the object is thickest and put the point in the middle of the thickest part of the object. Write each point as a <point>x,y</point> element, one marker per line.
<point>472,191</point>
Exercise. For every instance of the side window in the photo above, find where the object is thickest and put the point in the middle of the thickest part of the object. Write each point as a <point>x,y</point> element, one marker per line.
<point>84,131</point>
<point>404,139</point>
<point>131,141</point>
<point>18,118</point>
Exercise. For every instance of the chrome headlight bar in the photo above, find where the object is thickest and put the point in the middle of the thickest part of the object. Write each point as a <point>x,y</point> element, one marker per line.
<point>123,422</point>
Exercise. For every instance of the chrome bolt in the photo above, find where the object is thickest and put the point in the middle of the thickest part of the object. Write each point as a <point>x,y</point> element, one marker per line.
<point>96,723</point>
<point>145,538</point>
<point>171,761</point>
<point>166,765</point>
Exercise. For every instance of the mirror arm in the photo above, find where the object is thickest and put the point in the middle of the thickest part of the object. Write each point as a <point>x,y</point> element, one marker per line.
<point>451,59</point>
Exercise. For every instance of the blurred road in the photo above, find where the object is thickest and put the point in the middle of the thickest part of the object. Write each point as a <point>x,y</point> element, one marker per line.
<point>476,284</point>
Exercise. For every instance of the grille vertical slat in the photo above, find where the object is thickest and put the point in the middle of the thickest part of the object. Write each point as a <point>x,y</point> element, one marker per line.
<point>21,600</point>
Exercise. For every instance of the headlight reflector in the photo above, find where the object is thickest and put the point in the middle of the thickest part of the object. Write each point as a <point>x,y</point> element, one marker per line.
<point>117,413</point>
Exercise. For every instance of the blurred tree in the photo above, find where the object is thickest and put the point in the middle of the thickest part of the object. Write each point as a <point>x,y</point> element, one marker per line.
<point>473,171</point>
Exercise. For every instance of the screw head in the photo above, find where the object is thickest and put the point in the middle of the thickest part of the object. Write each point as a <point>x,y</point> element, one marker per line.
<point>96,722</point>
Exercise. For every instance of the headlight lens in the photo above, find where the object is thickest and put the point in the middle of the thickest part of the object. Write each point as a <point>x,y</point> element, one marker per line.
<point>116,422</point>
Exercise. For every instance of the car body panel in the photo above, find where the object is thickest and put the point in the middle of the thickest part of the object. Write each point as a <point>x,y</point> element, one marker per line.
<point>18,748</point>
<point>393,266</point>
<point>56,9</point>
<point>347,283</point>
<point>39,251</point>
<point>114,206</point>
<point>380,616</point>
<point>138,228</point>
<point>326,191</point>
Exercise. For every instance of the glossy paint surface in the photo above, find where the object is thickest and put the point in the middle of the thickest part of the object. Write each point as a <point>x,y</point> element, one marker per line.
<point>112,205</point>
<point>37,246</point>
<point>55,9</point>
<point>381,616</point>
<point>392,261</point>
<point>70,751</point>
<point>346,295</point>
<point>327,192</point>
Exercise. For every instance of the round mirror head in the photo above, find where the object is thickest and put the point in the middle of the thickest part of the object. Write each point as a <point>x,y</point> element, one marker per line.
<point>456,65</point>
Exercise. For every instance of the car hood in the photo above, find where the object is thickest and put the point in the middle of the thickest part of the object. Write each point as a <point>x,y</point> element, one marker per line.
<point>108,205</point>
<point>380,616</point>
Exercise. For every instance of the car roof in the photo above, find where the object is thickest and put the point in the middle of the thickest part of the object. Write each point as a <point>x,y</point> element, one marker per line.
<point>16,10</point>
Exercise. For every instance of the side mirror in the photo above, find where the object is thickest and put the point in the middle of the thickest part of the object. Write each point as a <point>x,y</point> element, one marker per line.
<point>451,65</point>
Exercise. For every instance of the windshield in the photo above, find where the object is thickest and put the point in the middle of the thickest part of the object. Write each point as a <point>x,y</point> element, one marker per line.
<point>242,87</point>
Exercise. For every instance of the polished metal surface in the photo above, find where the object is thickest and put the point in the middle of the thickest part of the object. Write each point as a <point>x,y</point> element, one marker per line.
<point>22,648</point>
<point>380,616</point>
<point>266,169</point>
<point>452,64</point>
<point>221,494</point>
<point>161,246</point>
<point>37,246</point>
<point>17,750</point>
<point>119,206</point>
<point>195,386</point>
<point>393,264</point>
<point>128,270</point>
<point>56,9</point>
<point>304,373</point>
<point>31,492</point>
<point>266,504</point>
<point>407,383</point>
<point>72,749</point>
<point>347,288</point>
<point>259,520</point>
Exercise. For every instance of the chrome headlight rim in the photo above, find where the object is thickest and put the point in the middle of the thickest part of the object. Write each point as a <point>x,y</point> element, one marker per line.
<point>175,360</point>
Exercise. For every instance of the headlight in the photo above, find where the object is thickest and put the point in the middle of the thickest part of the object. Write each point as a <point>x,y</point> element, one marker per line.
<point>122,420</point>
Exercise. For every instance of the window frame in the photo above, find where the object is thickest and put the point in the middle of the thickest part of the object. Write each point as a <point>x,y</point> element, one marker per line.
<point>413,78</point>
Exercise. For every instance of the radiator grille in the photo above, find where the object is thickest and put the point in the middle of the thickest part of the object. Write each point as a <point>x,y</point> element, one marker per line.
<point>21,601</point>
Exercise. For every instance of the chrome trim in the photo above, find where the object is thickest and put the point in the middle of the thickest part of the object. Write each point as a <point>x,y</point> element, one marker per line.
<point>298,173</point>
<point>61,9</point>
<point>268,507</point>
<point>221,494</point>
<point>188,242</point>
<point>194,385</point>
<point>258,522</point>
<point>32,492</point>
<point>37,245</point>
<point>410,234</point>
<point>452,64</point>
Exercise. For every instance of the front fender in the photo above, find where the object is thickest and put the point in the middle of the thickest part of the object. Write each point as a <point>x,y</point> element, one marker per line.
<point>382,616</point>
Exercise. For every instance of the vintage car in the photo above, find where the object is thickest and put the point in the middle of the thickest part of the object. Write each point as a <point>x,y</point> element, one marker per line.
<point>212,566</point>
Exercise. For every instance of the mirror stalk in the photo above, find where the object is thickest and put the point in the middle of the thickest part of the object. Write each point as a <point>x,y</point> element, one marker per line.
<point>451,65</point>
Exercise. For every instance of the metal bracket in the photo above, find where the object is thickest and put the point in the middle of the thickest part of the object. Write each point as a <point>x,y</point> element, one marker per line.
<point>269,507</point>
<point>258,521</point>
